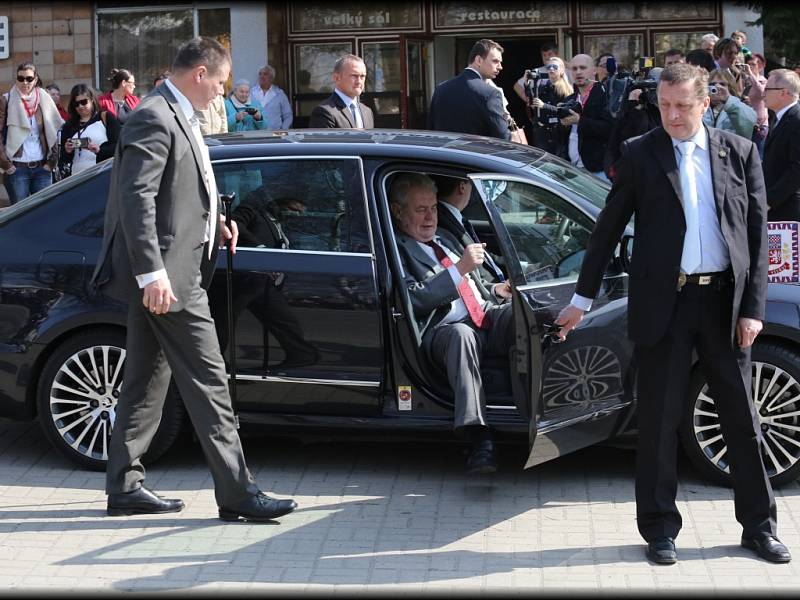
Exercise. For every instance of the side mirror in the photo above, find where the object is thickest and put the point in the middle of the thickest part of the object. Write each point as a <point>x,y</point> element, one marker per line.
<point>625,251</point>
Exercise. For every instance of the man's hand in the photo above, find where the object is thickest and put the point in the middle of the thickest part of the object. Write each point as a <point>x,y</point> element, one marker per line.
<point>472,258</point>
<point>231,234</point>
<point>158,296</point>
<point>503,290</point>
<point>747,330</point>
<point>634,95</point>
<point>568,318</point>
<point>571,120</point>
<point>10,170</point>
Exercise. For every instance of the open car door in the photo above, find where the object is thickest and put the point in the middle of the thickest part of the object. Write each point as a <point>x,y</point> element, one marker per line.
<point>572,392</point>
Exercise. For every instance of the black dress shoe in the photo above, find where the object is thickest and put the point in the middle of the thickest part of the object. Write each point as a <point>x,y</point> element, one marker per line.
<point>257,508</point>
<point>481,459</point>
<point>662,551</point>
<point>141,502</point>
<point>767,546</point>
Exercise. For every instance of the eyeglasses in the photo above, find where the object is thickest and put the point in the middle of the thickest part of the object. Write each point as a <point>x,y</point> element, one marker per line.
<point>773,88</point>
<point>131,82</point>
<point>28,79</point>
<point>83,102</point>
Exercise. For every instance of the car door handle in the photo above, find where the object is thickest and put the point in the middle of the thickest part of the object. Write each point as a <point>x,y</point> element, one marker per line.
<point>551,333</point>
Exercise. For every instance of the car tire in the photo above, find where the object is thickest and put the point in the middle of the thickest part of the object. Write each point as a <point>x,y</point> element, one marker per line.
<point>776,389</point>
<point>77,417</point>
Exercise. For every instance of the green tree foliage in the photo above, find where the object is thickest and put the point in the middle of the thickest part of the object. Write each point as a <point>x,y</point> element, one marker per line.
<point>781,24</point>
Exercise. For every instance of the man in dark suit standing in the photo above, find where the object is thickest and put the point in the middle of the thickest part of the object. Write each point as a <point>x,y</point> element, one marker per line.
<point>162,228</point>
<point>461,317</point>
<point>342,109</point>
<point>782,148</point>
<point>698,283</point>
<point>467,103</point>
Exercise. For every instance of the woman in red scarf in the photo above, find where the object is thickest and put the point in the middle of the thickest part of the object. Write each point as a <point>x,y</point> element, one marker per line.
<point>30,122</point>
<point>120,101</point>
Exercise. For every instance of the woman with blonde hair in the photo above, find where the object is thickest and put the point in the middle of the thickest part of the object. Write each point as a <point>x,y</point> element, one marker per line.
<point>544,96</point>
<point>727,111</point>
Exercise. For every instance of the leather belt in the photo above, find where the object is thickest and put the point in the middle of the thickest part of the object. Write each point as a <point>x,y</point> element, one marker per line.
<point>29,165</point>
<point>718,279</point>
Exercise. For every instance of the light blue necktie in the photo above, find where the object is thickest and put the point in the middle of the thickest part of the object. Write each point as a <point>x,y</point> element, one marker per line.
<point>691,256</point>
<point>354,110</point>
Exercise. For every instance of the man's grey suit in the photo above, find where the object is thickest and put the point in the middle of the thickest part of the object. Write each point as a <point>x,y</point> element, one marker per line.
<point>333,114</point>
<point>458,347</point>
<point>156,217</point>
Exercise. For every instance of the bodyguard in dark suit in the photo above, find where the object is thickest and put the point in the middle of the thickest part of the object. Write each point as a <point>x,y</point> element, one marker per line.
<point>782,148</point>
<point>159,249</point>
<point>467,103</point>
<point>461,317</point>
<point>697,284</point>
<point>342,109</point>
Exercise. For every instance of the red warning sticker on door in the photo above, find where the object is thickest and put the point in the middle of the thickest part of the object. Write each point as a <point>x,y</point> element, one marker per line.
<point>403,397</point>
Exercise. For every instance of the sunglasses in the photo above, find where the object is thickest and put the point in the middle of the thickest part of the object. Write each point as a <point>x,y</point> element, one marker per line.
<point>83,102</point>
<point>551,67</point>
<point>28,79</point>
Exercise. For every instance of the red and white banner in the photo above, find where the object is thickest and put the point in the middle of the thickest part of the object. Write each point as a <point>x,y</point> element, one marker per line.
<point>784,262</point>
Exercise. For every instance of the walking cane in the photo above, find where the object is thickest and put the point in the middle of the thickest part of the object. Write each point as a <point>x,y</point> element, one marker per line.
<point>227,201</point>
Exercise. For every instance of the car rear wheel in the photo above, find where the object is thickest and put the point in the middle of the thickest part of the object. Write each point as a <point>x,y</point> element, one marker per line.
<point>776,394</point>
<point>77,399</point>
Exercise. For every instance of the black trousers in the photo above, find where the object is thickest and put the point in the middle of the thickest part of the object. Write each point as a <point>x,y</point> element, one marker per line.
<point>701,321</point>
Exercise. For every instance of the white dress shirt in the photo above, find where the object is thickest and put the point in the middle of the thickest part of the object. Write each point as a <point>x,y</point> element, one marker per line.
<point>458,310</point>
<point>277,110</point>
<point>347,102</point>
<point>782,112</point>
<point>713,247</point>
<point>188,110</point>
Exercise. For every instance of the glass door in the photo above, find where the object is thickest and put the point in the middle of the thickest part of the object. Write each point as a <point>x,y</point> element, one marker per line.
<point>417,80</point>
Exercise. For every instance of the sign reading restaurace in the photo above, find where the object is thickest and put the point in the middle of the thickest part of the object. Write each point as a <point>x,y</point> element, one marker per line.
<point>308,17</point>
<point>512,12</point>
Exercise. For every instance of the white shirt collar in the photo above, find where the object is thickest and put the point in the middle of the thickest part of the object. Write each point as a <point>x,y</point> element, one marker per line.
<point>782,111</point>
<point>345,98</point>
<point>456,213</point>
<point>700,139</point>
<point>183,101</point>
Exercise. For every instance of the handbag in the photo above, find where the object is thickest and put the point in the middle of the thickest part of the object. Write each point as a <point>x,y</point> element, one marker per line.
<point>517,133</point>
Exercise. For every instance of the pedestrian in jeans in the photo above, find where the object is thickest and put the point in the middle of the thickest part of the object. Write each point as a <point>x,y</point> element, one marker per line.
<point>29,121</point>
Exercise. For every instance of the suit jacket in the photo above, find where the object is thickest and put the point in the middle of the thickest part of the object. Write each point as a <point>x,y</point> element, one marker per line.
<point>782,168</point>
<point>467,104</point>
<point>429,284</point>
<point>335,115</point>
<point>594,128</point>
<point>258,225</point>
<point>648,186</point>
<point>454,226</point>
<point>158,205</point>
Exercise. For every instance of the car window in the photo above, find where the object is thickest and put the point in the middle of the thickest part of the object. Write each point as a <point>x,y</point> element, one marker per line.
<point>301,204</point>
<point>548,233</point>
<point>588,186</point>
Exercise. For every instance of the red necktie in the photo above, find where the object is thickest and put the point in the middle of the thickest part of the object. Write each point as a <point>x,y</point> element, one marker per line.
<point>472,303</point>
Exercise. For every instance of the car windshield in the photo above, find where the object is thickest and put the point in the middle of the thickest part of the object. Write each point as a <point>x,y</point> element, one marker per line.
<point>588,186</point>
<point>51,191</point>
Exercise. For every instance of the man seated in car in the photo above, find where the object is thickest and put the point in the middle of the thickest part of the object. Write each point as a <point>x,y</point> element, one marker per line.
<point>461,316</point>
<point>454,194</point>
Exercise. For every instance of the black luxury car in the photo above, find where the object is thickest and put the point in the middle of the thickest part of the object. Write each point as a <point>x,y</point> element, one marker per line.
<point>322,335</point>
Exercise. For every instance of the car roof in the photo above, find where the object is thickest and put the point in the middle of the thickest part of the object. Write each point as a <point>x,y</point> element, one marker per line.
<point>376,142</point>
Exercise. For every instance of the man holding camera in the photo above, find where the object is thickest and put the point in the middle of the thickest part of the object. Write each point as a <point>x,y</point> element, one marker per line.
<point>588,118</point>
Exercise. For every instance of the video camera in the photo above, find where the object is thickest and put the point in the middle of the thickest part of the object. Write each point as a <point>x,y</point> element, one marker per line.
<point>532,78</point>
<point>571,105</point>
<point>622,83</point>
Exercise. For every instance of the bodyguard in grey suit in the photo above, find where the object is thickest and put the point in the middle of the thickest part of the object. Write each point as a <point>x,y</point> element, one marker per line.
<point>159,250</point>
<point>342,109</point>
<point>462,317</point>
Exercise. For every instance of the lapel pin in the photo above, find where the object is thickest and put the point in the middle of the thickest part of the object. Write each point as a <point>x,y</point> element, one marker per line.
<point>722,154</point>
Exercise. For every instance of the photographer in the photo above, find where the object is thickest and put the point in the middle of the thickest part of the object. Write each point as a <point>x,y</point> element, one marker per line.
<point>639,114</point>
<point>587,114</point>
<point>243,114</point>
<point>89,135</point>
<point>542,95</point>
<point>727,111</point>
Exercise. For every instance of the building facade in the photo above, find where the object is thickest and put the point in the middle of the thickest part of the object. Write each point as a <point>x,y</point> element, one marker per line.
<point>408,45</point>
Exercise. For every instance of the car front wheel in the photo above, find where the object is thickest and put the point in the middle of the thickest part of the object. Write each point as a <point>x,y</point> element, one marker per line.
<point>77,399</point>
<point>776,394</point>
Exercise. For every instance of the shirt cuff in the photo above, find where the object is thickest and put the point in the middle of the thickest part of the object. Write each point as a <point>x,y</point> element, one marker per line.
<point>581,302</point>
<point>146,279</point>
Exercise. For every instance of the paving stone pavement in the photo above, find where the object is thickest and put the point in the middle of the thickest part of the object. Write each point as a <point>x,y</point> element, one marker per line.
<point>399,518</point>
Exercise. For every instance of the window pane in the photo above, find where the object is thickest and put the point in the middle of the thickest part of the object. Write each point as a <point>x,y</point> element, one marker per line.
<point>314,65</point>
<point>626,48</point>
<point>298,204</point>
<point>142,42</point>
<point>681,41</point>
<point>383,66</point>
<point>548,234</point>
<point>596,12</point>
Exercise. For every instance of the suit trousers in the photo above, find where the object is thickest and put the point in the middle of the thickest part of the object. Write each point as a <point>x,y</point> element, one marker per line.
<point>701,321</point>
<point>459,347</point>
<point>183,343</point>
